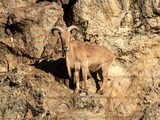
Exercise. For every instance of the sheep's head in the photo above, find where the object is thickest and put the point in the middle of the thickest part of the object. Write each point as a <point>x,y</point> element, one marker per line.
<point>66,36</point>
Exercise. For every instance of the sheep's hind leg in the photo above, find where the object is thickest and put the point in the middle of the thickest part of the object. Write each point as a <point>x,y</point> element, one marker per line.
<point>103,74</point>
<point>84,77</point>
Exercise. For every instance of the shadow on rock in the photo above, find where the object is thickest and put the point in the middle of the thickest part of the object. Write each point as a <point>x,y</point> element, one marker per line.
<point>57,68</point>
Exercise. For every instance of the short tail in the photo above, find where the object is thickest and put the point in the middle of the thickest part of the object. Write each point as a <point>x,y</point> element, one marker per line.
<point>122,58</point>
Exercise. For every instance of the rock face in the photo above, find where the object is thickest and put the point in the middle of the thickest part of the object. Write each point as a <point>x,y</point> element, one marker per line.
<point>29,28</point>
<point>31,93</point>
<point>34,82</point>
<point>152,112</point>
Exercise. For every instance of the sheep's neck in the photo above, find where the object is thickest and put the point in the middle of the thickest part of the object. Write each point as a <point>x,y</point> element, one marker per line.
<point>68,55</point>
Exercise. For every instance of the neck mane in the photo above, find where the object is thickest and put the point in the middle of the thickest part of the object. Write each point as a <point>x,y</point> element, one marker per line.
<point>68,64</point>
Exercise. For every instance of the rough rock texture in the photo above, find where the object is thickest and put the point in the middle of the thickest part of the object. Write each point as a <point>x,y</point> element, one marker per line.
<point>152,112</point>
<point>29,28</point>
<point>34,82</point>
<point>32,93</point>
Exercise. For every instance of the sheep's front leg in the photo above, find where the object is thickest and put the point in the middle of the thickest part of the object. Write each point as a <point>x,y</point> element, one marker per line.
<point>76,76</point>
<point>84,77</point>
<point>76,79</point>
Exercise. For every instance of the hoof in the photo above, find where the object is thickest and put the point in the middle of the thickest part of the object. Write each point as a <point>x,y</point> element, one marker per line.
<point>76,92</point>
<point>86,91</point>
<point>86,88</point>
<point>100,92</point>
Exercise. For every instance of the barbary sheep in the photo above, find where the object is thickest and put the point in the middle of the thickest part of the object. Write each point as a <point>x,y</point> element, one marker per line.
<point>82,57</point>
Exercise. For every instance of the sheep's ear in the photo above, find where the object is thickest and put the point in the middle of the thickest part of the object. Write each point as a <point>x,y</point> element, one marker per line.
<point>56,35</point>
<point>72,39</point>
<point>73,32</point>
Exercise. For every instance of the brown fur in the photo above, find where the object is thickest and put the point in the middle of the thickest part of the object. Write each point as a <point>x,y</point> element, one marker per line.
<point>91,58</point>
<point>85,57</point>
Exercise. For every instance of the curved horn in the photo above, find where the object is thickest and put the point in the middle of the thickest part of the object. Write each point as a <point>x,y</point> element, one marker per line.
<point>72,27</point>
<point>58,28</point>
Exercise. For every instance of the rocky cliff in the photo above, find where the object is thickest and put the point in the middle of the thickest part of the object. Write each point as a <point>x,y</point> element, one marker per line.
<point>34,82</point>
